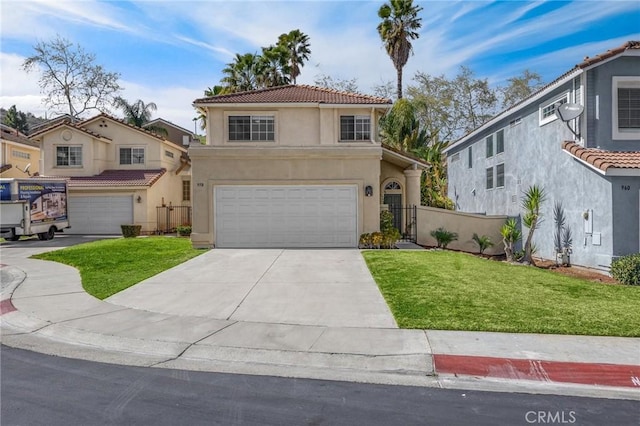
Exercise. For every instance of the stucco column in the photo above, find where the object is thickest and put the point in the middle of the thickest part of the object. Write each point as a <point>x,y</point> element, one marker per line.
<point>413,186</point>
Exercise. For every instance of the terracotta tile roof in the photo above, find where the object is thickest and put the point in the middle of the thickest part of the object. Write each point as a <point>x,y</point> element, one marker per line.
<point>587,62</point>
<point>115,178</point>
<point>295,94</point>
<point>67,123</point>
<point>604,160</point>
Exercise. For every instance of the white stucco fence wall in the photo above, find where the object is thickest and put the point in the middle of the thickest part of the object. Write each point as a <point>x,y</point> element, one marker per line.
<point>464,224</point>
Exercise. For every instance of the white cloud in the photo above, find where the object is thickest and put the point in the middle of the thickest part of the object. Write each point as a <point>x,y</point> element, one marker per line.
<point>17,87</point>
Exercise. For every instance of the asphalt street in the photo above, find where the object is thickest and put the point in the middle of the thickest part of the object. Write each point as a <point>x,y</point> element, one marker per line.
<point>38,389</point>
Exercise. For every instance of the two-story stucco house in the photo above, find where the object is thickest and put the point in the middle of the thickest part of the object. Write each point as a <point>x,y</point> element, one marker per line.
<point>117,173</point>
<point>295,166</point>
<point>19,156</point>
<point>590,163</point>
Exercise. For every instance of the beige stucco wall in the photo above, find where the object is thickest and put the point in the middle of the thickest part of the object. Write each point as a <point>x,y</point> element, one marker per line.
<point>213,166</point>
<point>390,172</point>
<point>464,224</point>
<point>18,163</point>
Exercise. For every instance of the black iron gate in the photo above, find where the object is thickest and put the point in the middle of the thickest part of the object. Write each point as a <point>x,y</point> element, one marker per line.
<point>404,219</point>
<point>170,217</point>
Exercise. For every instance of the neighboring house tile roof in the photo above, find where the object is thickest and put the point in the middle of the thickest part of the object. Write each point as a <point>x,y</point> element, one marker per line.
<point>123,122</point>
<point>295,94</point>
<point>115,178</point>
<point>161,121</point>
<point>65,123</point>
<point>604,160</point>
<point>10,134</point>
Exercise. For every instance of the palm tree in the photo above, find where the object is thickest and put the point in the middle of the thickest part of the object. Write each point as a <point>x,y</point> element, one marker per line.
<point>297,44</point>
<point>138,114</point>
<point>274,66</point>
<point>399,25</point>
<point>242,74</point>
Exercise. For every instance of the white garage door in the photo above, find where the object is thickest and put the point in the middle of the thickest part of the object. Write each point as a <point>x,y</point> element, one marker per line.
<point>286,216</point>
<point>99,215</point>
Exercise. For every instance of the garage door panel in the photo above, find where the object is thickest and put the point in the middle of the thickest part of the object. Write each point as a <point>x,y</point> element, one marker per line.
<point>286,216</point>
<point>99,215</point>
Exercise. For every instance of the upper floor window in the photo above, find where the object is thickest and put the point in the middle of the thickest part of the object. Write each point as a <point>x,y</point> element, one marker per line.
<point>626,108</point>
<point>186,190</point>
<point>20,154</point>
<point>500,175</point>
<point>500,141</point>
<point>68,156</point>
<point>355,128</point>
<point>489,141</point>
<point>547,112</point>
<point>251,128</point>
<point>470,157</point>
<point>130,156</point>
<point>489,179</point>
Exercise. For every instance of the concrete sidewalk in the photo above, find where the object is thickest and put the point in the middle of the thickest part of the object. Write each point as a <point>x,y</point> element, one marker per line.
<point>44,308</point>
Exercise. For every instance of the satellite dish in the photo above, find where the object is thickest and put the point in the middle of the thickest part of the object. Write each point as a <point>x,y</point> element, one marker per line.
<point>568,112</point>
<point>26,168</point>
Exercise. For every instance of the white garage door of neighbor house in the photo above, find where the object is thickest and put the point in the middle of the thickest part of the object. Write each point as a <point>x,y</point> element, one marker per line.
<point>99,215</point>
<point>286,216</point>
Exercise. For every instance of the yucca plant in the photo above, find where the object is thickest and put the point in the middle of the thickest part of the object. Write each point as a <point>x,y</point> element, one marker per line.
<point>510,235</point>
<point>531,203</point>
<point>443,237</point>
<point>484,242</point>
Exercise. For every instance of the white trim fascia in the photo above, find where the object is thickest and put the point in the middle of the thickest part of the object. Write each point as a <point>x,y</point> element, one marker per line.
<point>535,98</point>
<point>591,166</point>
<point>251,105</point>
<point>614,171</point>
<point>358,106</point>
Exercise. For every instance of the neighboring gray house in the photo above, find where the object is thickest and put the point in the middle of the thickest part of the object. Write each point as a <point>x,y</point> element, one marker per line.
<point>591,163</point>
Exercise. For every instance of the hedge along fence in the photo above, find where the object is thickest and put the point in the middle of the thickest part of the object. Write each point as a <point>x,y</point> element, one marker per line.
<point>463,224</point>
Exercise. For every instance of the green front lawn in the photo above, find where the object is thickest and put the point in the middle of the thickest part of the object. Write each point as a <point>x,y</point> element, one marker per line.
<point>109,266</point>
<point>456,291</point>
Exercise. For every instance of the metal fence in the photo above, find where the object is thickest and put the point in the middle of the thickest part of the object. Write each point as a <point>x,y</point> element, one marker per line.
<point>404,219</point>
<point>170,217</point>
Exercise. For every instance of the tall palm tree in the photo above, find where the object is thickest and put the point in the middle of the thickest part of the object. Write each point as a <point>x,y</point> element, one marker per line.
<point>275,69</point>
<point>399,25</point>
<point>242,74</point>
<point>297,44</point>
<point>139,113</point>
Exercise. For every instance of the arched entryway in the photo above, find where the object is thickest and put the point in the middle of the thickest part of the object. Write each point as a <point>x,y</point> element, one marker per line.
<point>392,196</point>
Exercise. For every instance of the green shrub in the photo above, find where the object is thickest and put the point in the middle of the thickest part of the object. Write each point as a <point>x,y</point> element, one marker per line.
<point>131,231</point>
<point>386,221</point>
<point>626,269</point>
<point>484,242</point>
<point>184,230</point>
<point>365,241</point>
<point>443,237</point>
<point>376,239</point>
<point>390,237</point>
<point>510,236</point>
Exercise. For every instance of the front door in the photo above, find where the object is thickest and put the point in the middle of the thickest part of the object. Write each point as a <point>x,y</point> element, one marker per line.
<point>394,201</point>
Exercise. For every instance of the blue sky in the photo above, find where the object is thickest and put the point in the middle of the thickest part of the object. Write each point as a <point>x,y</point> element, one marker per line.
<point>168,52</point>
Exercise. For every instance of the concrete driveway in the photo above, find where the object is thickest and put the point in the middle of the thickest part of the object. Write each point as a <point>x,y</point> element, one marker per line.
<point>330,288</point>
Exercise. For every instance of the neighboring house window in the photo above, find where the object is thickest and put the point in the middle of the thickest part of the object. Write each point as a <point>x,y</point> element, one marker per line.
<point>20,154</point>
<point>130,156</point>
<point>470,157</point>
<point>68,156</point>
<point>490,146</point>
<point>500,175</point>
<point>500,142</point>
<point>168,154</point>
<point>515,121</point>
<point>547,112</point>
<point>355,128</point>
<point>626,108</point>
<point>490,178</point>
<point>251,128</point>
<point>455,157</point>
<point>186,190</point>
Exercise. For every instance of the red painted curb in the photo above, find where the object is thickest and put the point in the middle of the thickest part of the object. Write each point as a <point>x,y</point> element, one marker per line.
<point>6,306</point>
<point>546,371</point>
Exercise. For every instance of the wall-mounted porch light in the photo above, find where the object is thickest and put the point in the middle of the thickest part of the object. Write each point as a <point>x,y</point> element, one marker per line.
<point>368,191</point>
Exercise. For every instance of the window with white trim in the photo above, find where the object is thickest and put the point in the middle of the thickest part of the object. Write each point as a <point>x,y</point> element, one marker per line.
<point>626,108</point>
<point>489,178</point>
<point>251,128</point>
<point>20,154</point>
<point>131,155</point>
<point>489,141</point>
<point>69,156</point>
<point>500,175</point>
<point>355,128</point>
<point>547,112</point>
<point>500,141</point>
